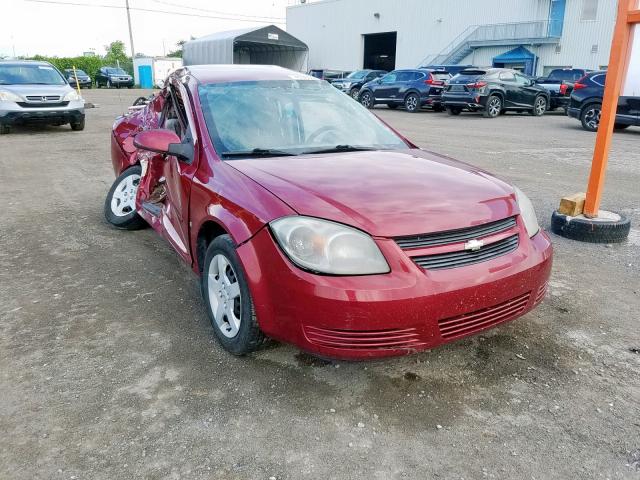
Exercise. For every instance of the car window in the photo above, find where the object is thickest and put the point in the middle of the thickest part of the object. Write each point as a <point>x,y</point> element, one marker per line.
<point>389,78</point>
<point>418,76</point>
<point>295,116</point>
<point>568,75</point>
<point>371,76</point>
<point>599,79</point>
<point>522,80</point>
<point>405,76</point>
<point>30,74</point>
<point>357,75</point>
<point>174,116</point>
<point>507,77</point>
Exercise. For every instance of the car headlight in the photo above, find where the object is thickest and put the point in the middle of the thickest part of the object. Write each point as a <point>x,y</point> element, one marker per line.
<point>527,212</point>
<point>323,246</point>
<point>6,96</point>
<point>71,96</point>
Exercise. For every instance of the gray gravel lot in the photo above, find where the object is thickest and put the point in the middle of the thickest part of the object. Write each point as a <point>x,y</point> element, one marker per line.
<point>109,368</point>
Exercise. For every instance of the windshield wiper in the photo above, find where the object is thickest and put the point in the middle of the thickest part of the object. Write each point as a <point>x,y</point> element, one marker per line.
<point>259,152</point>
<point>341,148</point>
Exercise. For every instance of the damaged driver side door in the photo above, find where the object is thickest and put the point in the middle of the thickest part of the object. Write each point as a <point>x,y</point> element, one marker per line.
<point>165,184</point>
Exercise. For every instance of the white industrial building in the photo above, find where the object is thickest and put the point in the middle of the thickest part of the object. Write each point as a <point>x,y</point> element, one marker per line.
<point>533,36</point>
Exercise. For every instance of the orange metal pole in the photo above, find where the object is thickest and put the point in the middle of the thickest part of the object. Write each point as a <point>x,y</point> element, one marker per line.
<point>618,61</point>
<point>634,16</point>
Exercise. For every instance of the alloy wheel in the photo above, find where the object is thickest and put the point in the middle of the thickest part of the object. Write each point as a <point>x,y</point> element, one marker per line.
<point>224,295</point>
<point>354,93</point>
<point>411,103</point>
<point>366,100</point>
<point>123,201</point>
<point>592,118</point>
<point>540,106</point>
<point>494,106</point>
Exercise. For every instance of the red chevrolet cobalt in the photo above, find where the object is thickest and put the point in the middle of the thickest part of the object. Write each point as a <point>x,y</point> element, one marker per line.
<point>312,222</point>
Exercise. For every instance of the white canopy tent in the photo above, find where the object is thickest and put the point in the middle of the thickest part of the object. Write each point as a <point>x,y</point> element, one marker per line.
<point>260,46</point>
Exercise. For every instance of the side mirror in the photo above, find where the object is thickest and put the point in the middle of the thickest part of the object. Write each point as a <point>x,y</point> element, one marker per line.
<point>165,142</point>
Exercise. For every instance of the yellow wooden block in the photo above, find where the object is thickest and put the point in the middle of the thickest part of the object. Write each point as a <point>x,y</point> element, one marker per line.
<point>572,205</point>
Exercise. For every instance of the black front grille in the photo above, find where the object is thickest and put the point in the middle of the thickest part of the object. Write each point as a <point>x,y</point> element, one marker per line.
<point>42,104</point>
<point>455,236</point>
<point>462,258</point>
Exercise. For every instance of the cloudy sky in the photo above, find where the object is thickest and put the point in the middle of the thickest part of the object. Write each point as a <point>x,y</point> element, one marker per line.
<point>68,30</point>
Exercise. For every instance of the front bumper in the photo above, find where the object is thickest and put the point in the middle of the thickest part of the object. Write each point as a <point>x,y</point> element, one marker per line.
<point>82,82</point>
<point>121,83</point>
<point>404,311</point>
<point>13,114</point>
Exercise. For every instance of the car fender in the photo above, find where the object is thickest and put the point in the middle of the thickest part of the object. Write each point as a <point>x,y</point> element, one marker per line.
<point>410,91</point>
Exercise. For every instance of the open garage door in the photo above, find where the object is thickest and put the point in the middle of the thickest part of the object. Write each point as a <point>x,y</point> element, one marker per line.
<point>380,51</point>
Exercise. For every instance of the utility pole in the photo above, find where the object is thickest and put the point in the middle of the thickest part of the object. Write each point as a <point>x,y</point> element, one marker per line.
<point>133,51</point>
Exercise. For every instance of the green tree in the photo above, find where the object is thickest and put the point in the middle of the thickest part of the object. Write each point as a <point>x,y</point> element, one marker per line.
<point>117,55</point>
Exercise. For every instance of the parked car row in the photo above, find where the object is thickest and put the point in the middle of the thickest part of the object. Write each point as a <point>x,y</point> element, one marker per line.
<point>105,77</point>
<point>491,91</point>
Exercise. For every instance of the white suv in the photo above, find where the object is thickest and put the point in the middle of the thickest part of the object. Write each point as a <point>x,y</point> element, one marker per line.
<point>36,92</point>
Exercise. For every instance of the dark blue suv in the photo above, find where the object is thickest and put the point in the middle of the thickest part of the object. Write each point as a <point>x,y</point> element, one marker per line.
<point>586,103</point>
<point>412,89</point>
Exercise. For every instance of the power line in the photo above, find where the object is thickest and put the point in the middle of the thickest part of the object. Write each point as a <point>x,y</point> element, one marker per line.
<point>171,4</point>
<point>149,10</point>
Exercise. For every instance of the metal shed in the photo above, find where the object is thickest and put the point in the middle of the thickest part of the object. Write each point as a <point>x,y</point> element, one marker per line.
<point>262,46</point>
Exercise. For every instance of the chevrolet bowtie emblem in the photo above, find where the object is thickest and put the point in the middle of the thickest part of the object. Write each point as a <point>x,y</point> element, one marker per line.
<point>473,245</point>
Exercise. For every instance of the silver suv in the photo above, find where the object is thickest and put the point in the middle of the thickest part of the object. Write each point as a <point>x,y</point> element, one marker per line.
<point>36,92</point>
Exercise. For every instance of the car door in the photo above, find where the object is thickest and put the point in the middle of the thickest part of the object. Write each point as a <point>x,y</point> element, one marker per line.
<point>511,89</point>
<point>527,91</point>
<point>382,90</point>
<point>165,187</point>
<point>403,83</point>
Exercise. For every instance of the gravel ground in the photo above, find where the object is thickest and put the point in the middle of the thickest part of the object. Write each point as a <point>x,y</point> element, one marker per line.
<point>109,368</point>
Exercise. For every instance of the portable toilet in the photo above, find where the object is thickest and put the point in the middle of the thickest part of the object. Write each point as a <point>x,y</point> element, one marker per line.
<point>148,72</point>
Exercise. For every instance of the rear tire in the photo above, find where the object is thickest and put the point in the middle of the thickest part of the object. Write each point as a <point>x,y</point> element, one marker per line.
<point>493,107</point>
<point>412,103</point>
<point>454,110</point>
<point>590,117</point>
<point>223,280</point>
<point>120,212</point>
<point>539,106</point>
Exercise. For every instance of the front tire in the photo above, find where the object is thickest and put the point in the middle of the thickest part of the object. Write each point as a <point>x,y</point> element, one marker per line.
<point>77,126</point>
<point>590,117</point>
<point>366,99</point>
<point>539,106</point>
<point>353,93</point>
<point>493,107</point>
<point>227,298</point>
<point>120,206</point>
